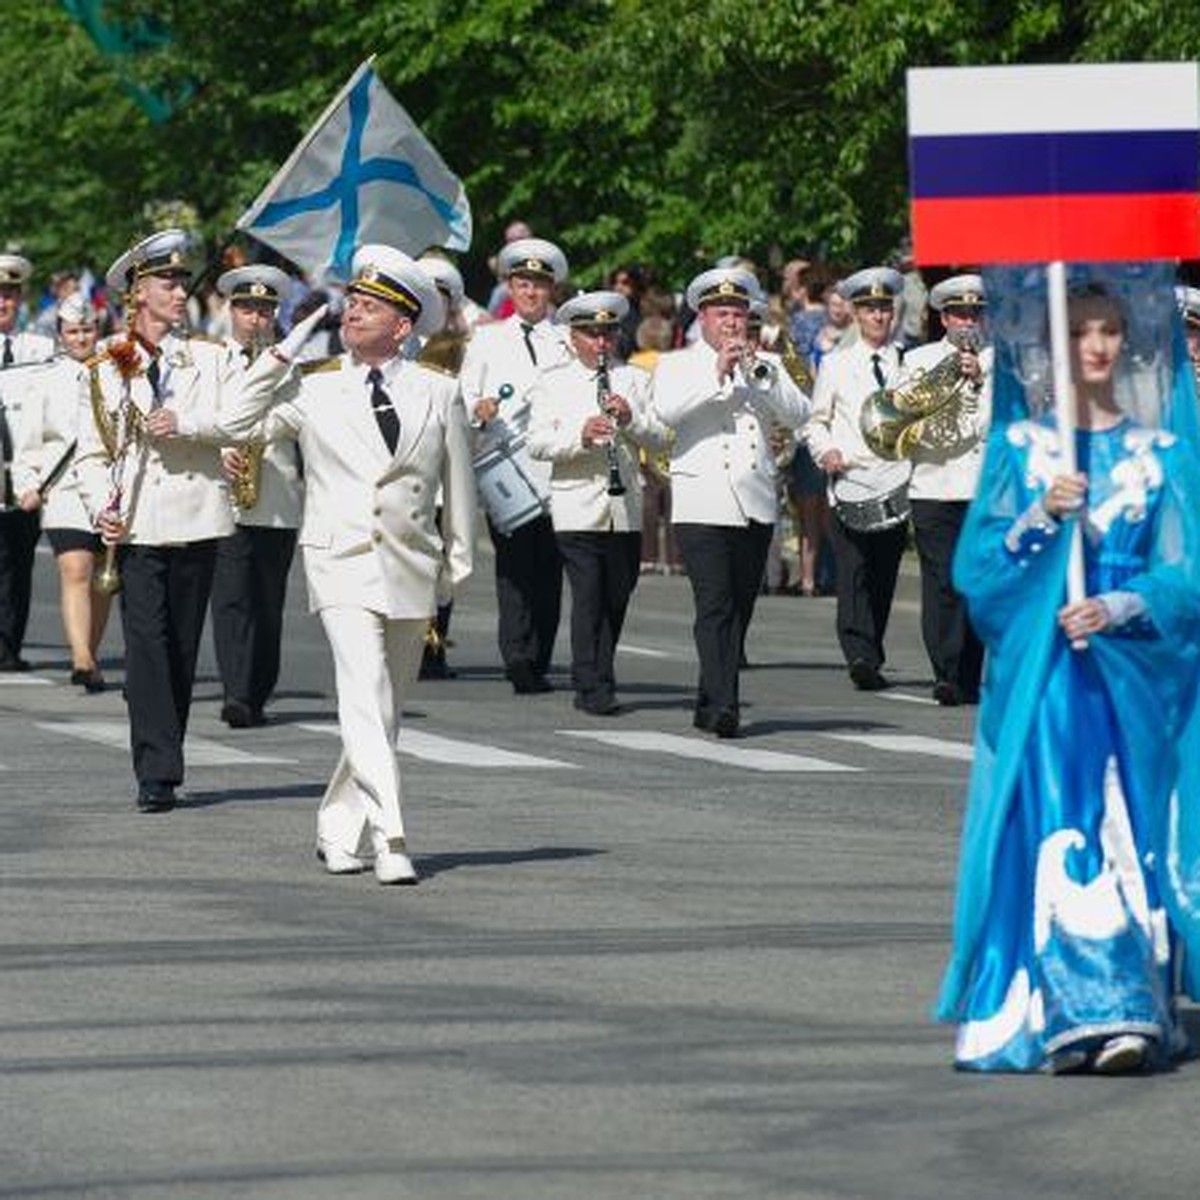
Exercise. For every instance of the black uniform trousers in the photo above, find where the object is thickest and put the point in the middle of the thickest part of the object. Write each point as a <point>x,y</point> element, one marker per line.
<point>867,567</point>
<point>18,539</point>
<point>725,565</point>
<point>248,592</point>
<point>164,596</point>
<point>603,571</point>
<point>955,653</point>
<point>528,594</point>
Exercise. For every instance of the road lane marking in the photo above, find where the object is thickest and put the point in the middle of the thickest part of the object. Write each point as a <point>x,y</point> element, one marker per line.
<point>641,651</point>
<point>716,752</point>
<point>15,680</point>
<point>906,697</point>
<point>450,752</point>
<point>197,751</point>
<point>908,743</point>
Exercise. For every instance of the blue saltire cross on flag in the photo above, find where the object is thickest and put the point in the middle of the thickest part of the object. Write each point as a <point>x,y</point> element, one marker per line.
<point>363,173</point>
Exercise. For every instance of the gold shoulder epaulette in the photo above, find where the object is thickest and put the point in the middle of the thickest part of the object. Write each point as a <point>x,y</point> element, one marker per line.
<point>205,337</point>
<point>320,364</point>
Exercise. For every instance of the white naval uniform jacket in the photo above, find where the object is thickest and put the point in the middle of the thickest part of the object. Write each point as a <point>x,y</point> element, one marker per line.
<point>53,417</point>
<point>951,471</point>
<point>173,490</point>
<point>722,467</point>
<point>845,379</point>
<point>370,533</point>
<point>280,485</point>
<point>17,386</point>
<point>561,402</point>
<point>497,355</point>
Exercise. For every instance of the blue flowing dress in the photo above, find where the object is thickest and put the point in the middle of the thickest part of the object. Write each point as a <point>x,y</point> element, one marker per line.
<point>1073,894</point>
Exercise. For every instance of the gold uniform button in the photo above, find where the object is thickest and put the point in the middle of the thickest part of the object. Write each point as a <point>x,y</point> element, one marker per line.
<point>378,512</point>
<point>377,537</point>
<point>416,487</point>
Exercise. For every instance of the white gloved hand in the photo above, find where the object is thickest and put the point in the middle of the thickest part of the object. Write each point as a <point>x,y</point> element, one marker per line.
<point>300,333</point>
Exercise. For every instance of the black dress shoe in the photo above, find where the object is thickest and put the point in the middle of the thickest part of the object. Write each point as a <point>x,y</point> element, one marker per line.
<point>866,677</point>
<point>703,719</point>
<point>237,714</point>
<point>155,798</point>
<point>91,681</point>
<point>11,664</point>
<point>726,724</point>
<point>597,706</point>
<point>947,694</point>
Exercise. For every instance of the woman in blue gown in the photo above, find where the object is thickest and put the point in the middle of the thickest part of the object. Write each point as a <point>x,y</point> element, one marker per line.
<point>1077,884</point>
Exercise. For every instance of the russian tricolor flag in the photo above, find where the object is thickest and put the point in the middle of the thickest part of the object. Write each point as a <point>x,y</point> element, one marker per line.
<point>1087,163</point>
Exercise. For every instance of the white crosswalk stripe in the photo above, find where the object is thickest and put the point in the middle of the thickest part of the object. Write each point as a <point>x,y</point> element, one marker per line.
<point>431,748</point>
<point>723,753</point>
<point>197,751</point>
<point>25,681</point>
<point>905,697</point>
<point>908,743</point>
<point>641,651</point>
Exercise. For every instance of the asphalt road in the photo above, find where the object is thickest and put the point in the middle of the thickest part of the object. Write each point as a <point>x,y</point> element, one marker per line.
<point>641,962</point>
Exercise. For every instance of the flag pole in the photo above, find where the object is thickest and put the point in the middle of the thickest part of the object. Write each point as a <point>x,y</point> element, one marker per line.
<point>1064,413</point>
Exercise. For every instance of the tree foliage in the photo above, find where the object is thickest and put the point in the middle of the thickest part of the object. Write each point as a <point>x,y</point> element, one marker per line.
<point>664,131</point>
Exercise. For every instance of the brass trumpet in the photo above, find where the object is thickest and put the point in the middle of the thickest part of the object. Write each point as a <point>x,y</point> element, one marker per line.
<point>925,411</point>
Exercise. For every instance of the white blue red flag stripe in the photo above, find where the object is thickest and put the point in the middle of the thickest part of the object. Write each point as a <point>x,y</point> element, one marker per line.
<point>1094,162</point>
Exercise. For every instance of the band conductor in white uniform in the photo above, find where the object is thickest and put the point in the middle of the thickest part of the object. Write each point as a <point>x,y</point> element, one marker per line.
<point>378,434</point>
<point>722,401</point>
<point>502,364</point>
<point>590,415</point>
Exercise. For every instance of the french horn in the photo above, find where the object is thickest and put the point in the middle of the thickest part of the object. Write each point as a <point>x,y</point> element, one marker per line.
<point>925,411</point>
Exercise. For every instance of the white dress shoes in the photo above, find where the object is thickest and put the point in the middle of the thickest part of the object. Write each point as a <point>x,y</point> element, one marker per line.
<point>341,862</point>
<point>392,865</point>
<point>1122,1055</point>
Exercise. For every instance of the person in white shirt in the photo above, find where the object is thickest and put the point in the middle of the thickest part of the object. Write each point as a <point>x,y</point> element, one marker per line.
<point>19,529</point>
<point>869,495</point>
<point>381,437</point>
<point>250,580</point>
<point>502,364</point>
<point>589,417</point>
<point>163,502</point>
<point>45,479</point>
<point>947,459</point>
<point>722,401</point>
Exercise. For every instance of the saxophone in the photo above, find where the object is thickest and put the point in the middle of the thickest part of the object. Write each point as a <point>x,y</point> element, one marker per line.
<point>244,487</point>
<point>925,411</point>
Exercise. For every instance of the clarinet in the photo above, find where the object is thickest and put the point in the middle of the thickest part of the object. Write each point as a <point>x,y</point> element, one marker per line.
<point>615,486</point>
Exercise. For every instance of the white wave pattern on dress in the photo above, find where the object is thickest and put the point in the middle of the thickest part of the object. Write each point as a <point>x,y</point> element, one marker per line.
<point>1021,1011</point>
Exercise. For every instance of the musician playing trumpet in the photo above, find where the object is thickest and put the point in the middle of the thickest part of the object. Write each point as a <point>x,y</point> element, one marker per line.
<point>947,458</point>
<point>250,581</point>
<point>588,418</point>
<point>722,399</point>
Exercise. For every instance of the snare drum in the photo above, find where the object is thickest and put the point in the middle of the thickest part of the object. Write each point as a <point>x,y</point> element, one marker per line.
<point>509,486</point>
<point>872,499</point>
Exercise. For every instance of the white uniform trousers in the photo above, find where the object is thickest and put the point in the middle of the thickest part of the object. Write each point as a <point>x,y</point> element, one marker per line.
<point>375,664</point>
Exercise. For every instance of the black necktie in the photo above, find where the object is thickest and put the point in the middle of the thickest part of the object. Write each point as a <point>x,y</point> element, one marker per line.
<point>527,330</point>
<point>385,412</point>
<point>6,446</point>
<point>154,378</point>
<point>877,370</point>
